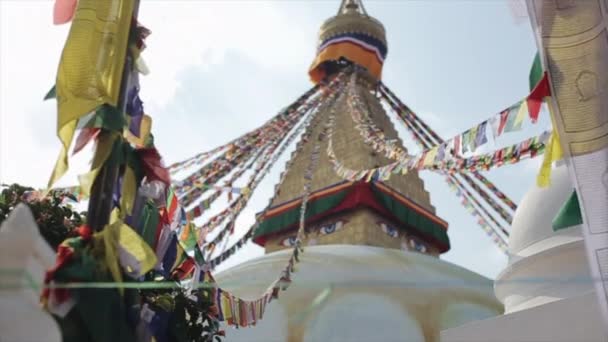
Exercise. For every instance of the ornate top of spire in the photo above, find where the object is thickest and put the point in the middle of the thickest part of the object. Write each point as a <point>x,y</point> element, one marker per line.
<point>353,35</point>
<point>350,6</point>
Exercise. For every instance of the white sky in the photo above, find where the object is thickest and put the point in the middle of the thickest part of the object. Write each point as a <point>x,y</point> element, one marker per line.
<point>220,68</point>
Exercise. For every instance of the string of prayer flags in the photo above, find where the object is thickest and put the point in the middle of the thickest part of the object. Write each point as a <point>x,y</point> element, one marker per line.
<point>236,311</point>
<point>262,170</point>
<point>224,164</point>
<point>424,136</point>
<point>480,220</point>
<point>540,89</point>
<point>268,158</point>
<point>468,194</point>
<point>508,155</point>
<point>496,191</point>
<point>509,120</point>
<point>496,123</point>
<point>248,138</point>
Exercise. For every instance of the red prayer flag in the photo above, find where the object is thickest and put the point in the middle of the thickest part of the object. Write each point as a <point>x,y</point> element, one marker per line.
<point>504,116</point>
<point>457,145</point>
<point>153,166</point>
<point>197,211</point>
<point>535,99</point>
<point>85,136</point>
<point>63,11</point>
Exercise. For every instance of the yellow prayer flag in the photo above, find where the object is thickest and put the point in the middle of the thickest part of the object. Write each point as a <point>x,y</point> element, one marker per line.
<point>108,238</point>
<point>521,115</point>
<point>543,179</point>
<point>553,153</point>
<point>102,153</point>
<point>557,151</point>
<point>144,132</point>
<point>129,190</point>
<point>91,67</point>
<point>136,256</point>
<point>123,246</point>
<point>226,307</point>
<point>430,157</point>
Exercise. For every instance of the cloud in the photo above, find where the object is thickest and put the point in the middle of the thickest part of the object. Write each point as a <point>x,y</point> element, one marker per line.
<point>212,105</point>
<point>30,50</point>
<point>202,33</point>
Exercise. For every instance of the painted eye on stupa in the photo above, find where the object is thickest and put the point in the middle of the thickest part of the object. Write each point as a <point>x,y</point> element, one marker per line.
<point>418,245</point>
<point>330,228</point>
<point>389,230</point>
<point>289,242</point>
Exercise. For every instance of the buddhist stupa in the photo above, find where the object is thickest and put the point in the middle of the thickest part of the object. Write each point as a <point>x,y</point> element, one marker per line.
<point>371,269</point>
<point>546,288</point>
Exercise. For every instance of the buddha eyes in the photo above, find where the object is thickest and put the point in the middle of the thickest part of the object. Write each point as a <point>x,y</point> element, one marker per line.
<point>330,228</point>
<point>325,229</point>
<point>418,246</point>
<point>289,242</point>
<point>408,243</point>
<point>389,230</point>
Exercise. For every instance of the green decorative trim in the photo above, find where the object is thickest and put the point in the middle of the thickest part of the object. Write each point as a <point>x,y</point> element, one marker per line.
<point>407,216</point>
<point>412,219</point>
<point>290,217</point>
<point>569,215</point>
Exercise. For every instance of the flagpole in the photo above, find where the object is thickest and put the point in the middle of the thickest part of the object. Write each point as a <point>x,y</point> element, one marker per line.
<point>102,190</point>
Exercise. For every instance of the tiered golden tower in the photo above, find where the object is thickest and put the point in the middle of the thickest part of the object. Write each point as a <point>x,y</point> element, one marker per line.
<point>393,214</point>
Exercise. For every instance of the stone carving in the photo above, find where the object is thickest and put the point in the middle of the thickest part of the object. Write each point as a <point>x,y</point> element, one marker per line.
<point>587,85</point>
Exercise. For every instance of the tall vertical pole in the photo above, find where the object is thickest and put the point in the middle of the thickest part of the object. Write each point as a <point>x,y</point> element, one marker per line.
<point>571,38</point>
<point>102,190</point>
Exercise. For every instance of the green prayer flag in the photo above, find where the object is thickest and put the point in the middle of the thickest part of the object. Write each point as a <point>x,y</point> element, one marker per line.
<point>149,221</point>
<point>569,215</point>
<point>198,257</point>
<point>536,72</point>
<point>51,94</point>
<point>513,124</point>
<point>107,117</point>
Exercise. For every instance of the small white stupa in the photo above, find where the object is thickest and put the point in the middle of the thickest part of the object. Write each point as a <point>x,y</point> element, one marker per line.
<point>546,288</point>
<point>24,258</point>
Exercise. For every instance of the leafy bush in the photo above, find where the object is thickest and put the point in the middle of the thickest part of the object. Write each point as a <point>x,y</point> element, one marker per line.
<point>56,220</point>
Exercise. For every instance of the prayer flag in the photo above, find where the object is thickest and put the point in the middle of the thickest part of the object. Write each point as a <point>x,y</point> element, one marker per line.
<point>481,137</point>
<point>535,99</point>
<point>472,137</point>
<point>466,141</point>
<point>569,215</point>
<point>512,118</point>
<point>63,11</point>
<point>456,150</point>
<point>502,122</point>
<point>91,66</point>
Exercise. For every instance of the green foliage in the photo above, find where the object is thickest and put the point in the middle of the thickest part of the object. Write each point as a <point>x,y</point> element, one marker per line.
<point>191,315</point>
<point>191,319</point>
<point>55,220</point>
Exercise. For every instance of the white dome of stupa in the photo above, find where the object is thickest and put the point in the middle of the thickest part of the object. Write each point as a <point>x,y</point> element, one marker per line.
<point>368,294</point>
<point>545,265</point>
